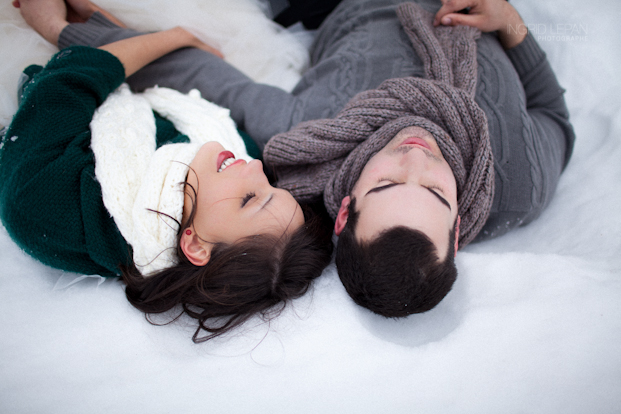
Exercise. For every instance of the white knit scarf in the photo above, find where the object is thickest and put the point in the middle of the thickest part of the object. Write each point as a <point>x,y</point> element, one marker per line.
<point>137,180</point>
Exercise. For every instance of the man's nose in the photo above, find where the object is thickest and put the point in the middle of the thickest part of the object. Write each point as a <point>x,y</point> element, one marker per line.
<point>415,161</point>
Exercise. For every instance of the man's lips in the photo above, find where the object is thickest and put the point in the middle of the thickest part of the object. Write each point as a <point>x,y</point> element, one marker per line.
<point>416,141</point>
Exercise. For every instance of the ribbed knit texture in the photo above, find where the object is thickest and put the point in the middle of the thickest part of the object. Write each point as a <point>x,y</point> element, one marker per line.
<point>327,156</point>
<point>77,34</point>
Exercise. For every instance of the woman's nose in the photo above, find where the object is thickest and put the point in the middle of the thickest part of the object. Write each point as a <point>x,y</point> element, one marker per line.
<point>256,164</point>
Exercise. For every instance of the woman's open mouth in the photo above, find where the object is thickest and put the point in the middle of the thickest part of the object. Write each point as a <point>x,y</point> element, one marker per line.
<point>225,159</point>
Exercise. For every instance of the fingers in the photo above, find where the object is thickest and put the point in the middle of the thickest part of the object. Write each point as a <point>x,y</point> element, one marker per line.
<point>485,15</point>
<point>199,44</point>
<point>450,7</point>
<point>456,19</point>
<point>82,8</point>
<point>212,50</point>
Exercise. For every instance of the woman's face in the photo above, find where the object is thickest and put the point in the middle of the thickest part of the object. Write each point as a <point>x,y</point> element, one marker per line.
<point>235,200</point>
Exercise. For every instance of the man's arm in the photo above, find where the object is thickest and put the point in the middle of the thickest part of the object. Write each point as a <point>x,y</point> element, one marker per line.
<point>548,115</point>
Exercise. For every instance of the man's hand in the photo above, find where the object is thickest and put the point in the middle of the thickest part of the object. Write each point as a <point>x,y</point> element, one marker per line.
<point>485,15</point>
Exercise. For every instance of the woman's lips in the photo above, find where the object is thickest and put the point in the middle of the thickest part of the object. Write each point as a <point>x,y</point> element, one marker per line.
<point>223,156</point>
<point>235,163</point>
<point>416,141</point>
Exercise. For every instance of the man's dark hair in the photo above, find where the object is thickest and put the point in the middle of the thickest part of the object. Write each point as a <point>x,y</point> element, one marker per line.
<point>396,274</point>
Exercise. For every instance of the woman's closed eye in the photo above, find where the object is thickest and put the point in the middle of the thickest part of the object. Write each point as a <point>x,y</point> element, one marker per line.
<point>247,198</point>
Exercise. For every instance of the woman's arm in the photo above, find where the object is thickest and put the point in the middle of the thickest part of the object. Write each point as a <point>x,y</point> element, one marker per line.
<point>251,104</point>
<point>51,201</point>
<point>485,15</point>
<point>50,17</point>
<point>137,52</point>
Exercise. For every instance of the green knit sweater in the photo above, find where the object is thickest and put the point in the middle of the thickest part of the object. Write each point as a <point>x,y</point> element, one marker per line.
<point>50,199</point>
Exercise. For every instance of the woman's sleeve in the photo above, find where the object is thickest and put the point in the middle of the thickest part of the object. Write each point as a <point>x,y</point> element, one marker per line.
<point>50,201</point>
<point>58,103</point>
<point>261,110</point>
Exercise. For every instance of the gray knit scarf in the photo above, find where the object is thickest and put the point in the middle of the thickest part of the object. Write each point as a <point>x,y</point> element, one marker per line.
<point>327,156</point>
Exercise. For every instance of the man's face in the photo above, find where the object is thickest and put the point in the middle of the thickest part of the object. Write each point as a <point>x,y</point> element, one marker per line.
<point>408,183</point>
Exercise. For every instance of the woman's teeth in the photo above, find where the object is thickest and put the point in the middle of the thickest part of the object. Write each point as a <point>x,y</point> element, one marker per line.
<point>226,163</point>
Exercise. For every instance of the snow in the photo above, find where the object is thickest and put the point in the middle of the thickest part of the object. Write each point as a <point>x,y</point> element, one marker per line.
<point>533,324</point>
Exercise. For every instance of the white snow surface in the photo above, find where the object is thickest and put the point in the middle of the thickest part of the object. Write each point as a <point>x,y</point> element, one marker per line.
<point>532,325</point>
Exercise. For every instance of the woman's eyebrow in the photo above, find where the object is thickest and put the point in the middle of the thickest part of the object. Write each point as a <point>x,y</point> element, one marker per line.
<point>446,203</point>
<point>382,188</point>
<point>267,202</point>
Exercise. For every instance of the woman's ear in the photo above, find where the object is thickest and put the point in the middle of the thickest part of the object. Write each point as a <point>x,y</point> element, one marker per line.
<point>196,250</point>
<point>342,216</point>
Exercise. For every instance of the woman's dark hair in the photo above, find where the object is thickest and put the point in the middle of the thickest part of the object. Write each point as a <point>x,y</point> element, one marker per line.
<point>396,274</point>
<point>250,277</point>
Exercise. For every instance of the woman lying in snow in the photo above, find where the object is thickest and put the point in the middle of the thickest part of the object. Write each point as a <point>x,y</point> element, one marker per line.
<point>156,187</point>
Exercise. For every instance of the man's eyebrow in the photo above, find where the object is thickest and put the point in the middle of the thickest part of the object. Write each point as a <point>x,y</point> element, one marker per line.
<point>382,188</point>
<point>387,186</point>
<point>446,203</point>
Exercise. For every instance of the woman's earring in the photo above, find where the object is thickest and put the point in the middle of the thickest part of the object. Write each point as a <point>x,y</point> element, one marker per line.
<point>188,232</point>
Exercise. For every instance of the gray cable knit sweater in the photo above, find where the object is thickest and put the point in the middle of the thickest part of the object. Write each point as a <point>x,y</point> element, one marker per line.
<point>357,47</point>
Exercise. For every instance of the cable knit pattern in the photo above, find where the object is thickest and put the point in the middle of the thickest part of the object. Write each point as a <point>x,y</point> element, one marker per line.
<point>327,156</point>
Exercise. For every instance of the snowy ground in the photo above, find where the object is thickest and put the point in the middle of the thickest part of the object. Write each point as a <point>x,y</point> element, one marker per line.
<point>533,324</point>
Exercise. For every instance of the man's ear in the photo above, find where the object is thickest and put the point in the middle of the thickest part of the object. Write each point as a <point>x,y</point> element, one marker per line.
<point>457,234</point>
<point>197,251</point>
<point>342,216</point>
